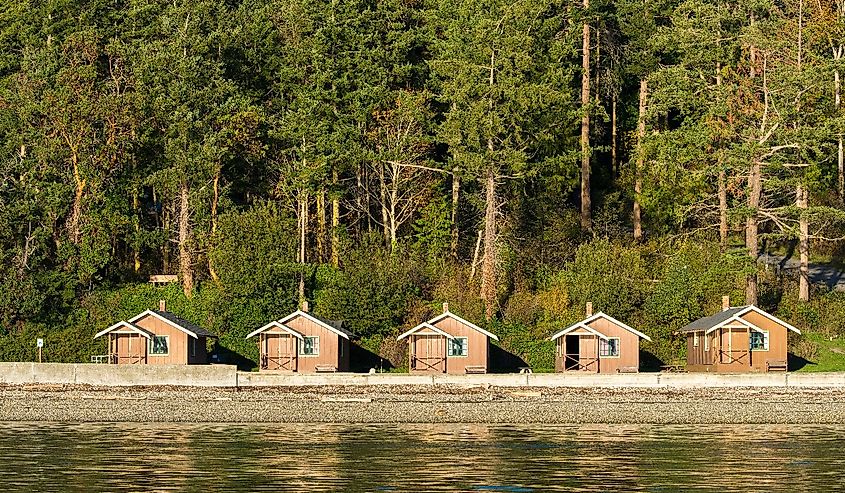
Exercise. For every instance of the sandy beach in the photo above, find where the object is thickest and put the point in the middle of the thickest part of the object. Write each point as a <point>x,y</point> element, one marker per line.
<point>415,404</point>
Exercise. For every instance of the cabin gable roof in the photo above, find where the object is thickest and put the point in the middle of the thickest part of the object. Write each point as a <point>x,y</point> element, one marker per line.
<point>713,322</point>
<point>127,327</point>
<point>335,326</point>
<point>179,323</point>
<point>274,325</point>
<point>585,325</point>
<point>423,326</point>
<point>461,320</point>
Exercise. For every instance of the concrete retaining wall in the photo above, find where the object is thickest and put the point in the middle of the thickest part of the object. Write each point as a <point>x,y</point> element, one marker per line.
<point>227,376</point>
<point>118,375</point>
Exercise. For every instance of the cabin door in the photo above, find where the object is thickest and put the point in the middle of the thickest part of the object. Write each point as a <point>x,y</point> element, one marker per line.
<point>572,356</point>
<point>429,353</point>
<point>279,352</point>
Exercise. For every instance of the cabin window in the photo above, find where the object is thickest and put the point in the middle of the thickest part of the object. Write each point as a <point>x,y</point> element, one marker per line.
<point>609,348</point>
<point>695,339</point>
<point>759,341</point>
<point>706,342</point>
<point>160,345</point>
<point>310,346</point>
<point>459,346</point>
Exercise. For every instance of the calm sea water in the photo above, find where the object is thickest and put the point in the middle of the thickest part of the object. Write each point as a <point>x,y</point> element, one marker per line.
<point>225,457</point>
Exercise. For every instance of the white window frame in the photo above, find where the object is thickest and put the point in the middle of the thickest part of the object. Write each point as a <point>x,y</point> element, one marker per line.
<point>695,339</point>
<point>606,343</point>
<point>315,346</point>
<point>166,344</point>
<point>464,348</point>
<point>706,342</point>
<point>765,340</point>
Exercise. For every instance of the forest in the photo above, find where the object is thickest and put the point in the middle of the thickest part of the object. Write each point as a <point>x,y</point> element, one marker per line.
<point>516,158</point>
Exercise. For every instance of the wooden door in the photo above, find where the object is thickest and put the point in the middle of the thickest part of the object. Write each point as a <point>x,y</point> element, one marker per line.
<point>589,353</point>
<point>429,354</point>
<point>279,352</point>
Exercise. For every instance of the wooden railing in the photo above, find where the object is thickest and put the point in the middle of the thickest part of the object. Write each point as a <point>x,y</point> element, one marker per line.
<point>733,356</point>
<point>283,362</point>
<point>576,363</point>
<point>430,363</point>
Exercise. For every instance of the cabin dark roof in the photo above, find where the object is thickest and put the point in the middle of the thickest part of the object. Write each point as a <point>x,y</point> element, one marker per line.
<point>181,322</point>
<point>706,323</point>
<point>337,324</point>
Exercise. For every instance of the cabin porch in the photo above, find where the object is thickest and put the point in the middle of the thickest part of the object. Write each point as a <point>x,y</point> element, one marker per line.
<point>279,352</point>
<point>427,353</point>
<point>126,349</point>
<point>578,353</point>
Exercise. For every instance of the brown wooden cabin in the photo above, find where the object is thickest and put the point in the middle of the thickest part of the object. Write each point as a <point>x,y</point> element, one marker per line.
<point>156,337</point>
<point>598,344</point>
<point>737,339</point>
<point>448,344</point>
<point>302,342</point>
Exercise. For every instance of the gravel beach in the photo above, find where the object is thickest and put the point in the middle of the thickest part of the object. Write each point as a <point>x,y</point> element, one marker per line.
<point>415,404</point>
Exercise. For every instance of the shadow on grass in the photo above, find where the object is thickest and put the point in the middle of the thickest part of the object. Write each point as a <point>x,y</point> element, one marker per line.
<point>504,361</point>
<point>649,362</point>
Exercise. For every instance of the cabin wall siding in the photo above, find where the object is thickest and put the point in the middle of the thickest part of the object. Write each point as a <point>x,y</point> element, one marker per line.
<point>478,346</point>
<point>329,346</point>
<point>177,341</point>
<point>778,341</point>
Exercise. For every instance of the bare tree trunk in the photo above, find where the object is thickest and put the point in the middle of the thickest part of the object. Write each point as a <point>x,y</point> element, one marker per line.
<point>840,155</point>
<point>723,211</point>
<point>136,253</point>
<point>801,201</point>
<point>215,201</point>
<point>475,254</point>
<point>751,242</point>
<point>385,220</point>
<point>456,193</point>
<point>359,204</point>
<point>186,261</point>
<point>335,247</point>
<point>488,265</point>
<point>640,162</point>
<point>614,152</point>
<point>321,225</point>
<point>303,240</point>
<point>394,198</point>
<point>586,206</point>
<point>76,210</point>
<point>723,188</point>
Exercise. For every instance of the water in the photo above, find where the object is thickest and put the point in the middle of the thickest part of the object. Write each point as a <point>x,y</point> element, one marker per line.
<point>229,457</point>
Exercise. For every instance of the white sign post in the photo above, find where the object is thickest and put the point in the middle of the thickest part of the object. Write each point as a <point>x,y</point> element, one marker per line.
<point>40,343</point>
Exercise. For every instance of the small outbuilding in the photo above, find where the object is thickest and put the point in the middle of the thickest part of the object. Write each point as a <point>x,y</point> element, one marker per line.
<point>156,337</point>
<point>448,344</point>
<point>304,343</point>
<point>598,344</point>
<point>737,339</point>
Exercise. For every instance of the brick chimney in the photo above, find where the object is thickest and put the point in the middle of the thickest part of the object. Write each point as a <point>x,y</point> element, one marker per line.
<point>726,302</point>
<point>305,306</point>
<point>162,306</point>
<point>445,307</point>
<point>589,309</point>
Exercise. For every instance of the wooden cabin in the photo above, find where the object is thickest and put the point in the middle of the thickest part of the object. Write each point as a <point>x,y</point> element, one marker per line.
<point>448,344</point>
<point>598,344</point>
<point>156,337</point>
<point>303,342</point>
<point>737,339</point>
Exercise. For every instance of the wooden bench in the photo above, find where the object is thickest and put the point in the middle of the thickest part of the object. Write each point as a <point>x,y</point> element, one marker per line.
<point>627,369</point>
<point>776,365</point>
<point>325,369</point>
<point>673,368</point>
<point>476,369</point>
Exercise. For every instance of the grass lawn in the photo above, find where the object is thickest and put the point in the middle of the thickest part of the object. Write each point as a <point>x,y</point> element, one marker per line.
<point>829,355</point>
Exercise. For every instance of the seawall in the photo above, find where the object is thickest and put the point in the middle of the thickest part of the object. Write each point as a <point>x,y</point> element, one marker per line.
<point>227,376</point>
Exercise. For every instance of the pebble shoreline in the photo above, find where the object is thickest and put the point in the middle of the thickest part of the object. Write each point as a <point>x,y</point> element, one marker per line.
<point>415,404</point>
